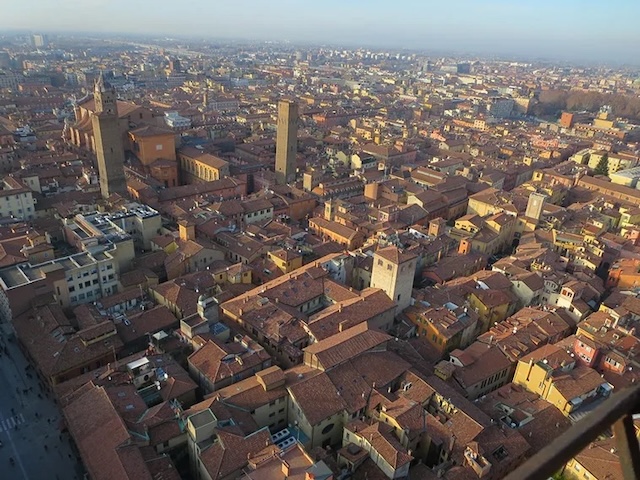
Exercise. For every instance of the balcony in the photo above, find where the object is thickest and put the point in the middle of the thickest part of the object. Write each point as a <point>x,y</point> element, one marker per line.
<point>618,412</point>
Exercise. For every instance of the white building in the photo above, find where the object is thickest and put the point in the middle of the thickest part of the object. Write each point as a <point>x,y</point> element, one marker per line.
<point>16,200</point>
<point>173,120</point>
<point>73,280</point>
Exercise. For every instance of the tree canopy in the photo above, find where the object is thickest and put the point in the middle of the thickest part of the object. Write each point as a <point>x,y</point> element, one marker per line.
<point>552,102</point>
<point>603,166</point>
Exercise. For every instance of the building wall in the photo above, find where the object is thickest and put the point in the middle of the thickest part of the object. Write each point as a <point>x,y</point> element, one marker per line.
<point>148,149</point>
<point>488,315</point>
<point>284,266</point>
<point>314,432</point>
<point>101,277</point>
<point>525,295</point>
<point>258,216</point>
<point>17,205</point>
<point>352,243</point>
<point>489,384</point>
<point>480,208</point>
<point>273,415</point>
<point>195,171</point>
<point>574,470</point>
<point>537,380</point>
<point>376,457</point>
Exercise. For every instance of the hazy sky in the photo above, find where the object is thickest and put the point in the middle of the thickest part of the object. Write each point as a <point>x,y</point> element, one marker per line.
<point>570,29</point>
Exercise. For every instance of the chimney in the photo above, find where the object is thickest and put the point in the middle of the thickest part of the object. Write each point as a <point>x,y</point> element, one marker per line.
<point>286,468</point>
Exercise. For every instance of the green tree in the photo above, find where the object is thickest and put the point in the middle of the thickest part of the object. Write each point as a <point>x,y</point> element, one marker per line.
<point>603,166</point>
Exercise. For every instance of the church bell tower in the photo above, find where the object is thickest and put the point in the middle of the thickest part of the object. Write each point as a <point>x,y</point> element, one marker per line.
<point>108,139</point>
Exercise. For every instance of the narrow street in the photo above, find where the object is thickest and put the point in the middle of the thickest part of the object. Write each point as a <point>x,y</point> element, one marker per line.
<point>29,423</point>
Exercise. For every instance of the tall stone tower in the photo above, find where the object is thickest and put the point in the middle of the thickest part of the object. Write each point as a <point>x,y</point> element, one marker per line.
<point>108,138</point>
<point>393,271</point>
<point>287,142</point>
<point>535,205</point>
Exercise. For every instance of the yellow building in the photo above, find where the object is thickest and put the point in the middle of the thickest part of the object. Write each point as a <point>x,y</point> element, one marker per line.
<point>599,461</point>
<point>236,273</point>
<point>629,217</point>
<point>486,202</point>
<point>488,235</point>
<point>554,195</point>
<point>197,166</point>
<point>286,260</point>
<point>444,329</point>
<point>491,306</point>
<point>552,373</point>
<point>348,237</point>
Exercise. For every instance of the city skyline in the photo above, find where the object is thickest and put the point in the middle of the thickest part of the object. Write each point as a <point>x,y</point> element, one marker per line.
<point>573,30</point>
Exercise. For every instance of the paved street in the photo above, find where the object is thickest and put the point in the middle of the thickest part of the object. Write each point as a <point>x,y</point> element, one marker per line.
<point>29,423</point>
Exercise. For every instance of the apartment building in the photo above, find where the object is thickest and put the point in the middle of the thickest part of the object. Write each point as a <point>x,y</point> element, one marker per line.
<point>552,373</point>
<point>16,200</point>
<point>69,281</point>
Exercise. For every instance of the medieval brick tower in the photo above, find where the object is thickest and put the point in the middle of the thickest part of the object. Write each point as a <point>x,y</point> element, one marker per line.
<point>286,142</point>
<point>108,139</point>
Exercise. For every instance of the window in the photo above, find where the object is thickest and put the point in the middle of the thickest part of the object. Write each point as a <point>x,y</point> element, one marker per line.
<point>159,146</point>
<point>380,262</point>
<point>72,289</point>
<point>389,266</point>
<point>327,429</point>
